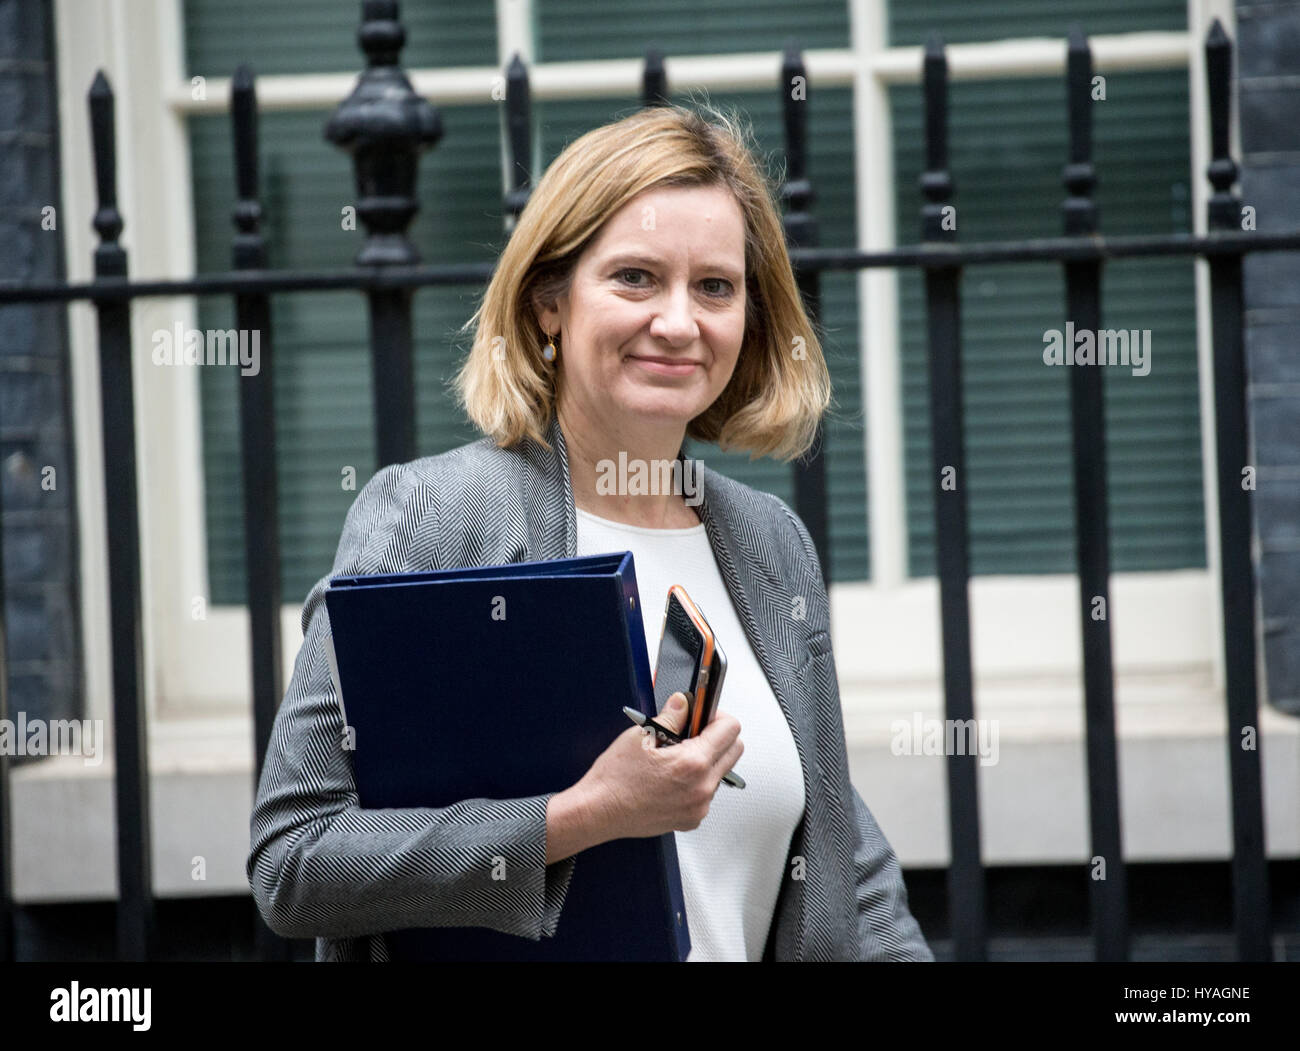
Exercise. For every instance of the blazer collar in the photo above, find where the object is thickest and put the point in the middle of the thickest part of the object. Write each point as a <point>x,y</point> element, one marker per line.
<point>744,548</point>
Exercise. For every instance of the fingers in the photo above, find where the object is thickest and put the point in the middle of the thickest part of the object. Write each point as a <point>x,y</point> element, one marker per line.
<point>721,733</point>
<point>718,744</point>
<point>673,715</point>
<point>727,762</point>
<point>633,735</point>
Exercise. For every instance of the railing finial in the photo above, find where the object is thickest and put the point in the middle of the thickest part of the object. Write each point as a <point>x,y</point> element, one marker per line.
<point>385,125</point>
<point>249,250</point>
<point>1080,175</point>
<point>797,190</point>
<point>1225,207</point>
<point>936,183</point>
<point>519,130</point>
<point>110,257</point>
<point>654,79</point>
<point>381,34</point>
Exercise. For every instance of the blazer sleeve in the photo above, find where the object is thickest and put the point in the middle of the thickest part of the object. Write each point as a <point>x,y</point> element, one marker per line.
<point>319,865</point>
<point>887,930</point>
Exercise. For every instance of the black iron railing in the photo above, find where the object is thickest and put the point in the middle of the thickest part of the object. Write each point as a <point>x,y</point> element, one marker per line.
<point>385,125</point>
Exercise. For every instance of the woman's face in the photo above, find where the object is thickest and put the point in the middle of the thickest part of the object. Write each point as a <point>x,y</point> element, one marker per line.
<point>655,314</point>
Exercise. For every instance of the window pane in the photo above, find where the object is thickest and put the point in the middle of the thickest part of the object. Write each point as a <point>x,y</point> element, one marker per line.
<point>1008,148</point>
<point>960,21</point>
<point>566,30</point>
<point>320,36</point>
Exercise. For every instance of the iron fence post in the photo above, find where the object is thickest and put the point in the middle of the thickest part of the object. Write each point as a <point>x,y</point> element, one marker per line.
<point>1236,566</point>
<point>385,125</point>
<point>949,479</point>
<point>135,916</point>
<point>1107,885</point>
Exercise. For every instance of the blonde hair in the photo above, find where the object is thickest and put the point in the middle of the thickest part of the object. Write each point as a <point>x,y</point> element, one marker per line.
<point>780,387</point>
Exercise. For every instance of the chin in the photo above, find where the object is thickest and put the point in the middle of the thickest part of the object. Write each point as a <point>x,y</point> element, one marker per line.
<point>655,409</point>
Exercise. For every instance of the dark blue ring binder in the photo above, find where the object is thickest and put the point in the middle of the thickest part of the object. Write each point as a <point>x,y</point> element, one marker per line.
<point>442,676</point>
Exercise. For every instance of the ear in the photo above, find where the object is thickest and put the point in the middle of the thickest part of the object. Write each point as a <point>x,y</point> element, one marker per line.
<point>548,316</point>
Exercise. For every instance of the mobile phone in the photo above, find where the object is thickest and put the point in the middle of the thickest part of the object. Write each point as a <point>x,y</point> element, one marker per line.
<point>717,673</point>
<point>686,662</point>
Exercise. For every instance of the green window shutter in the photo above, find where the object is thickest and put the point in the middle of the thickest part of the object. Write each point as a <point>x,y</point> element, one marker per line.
<point>964,22</point>
<point>568,32</point>
<point>324,410</point>
<point>320,36</point>
<point>831,169</point>
<point>1008,145</point>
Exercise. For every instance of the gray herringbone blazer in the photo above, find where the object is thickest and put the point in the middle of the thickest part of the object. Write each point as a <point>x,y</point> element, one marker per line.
<point>319,866</point>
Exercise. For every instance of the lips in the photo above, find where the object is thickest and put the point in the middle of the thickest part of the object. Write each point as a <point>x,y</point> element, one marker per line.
<point>666,366</point>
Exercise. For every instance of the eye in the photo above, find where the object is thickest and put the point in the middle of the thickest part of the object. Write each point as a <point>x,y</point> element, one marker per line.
<point>622,275</point>
<point>725,288</point>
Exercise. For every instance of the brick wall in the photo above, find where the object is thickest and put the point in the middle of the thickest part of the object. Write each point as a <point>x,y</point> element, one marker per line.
<point>1268,37</point>
<point>40,547</point>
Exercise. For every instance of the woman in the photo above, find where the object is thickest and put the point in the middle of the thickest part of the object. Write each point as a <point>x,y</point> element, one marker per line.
<point>645,295</point>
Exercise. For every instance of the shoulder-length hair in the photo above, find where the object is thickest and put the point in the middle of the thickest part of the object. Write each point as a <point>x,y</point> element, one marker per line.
<point>780,387</point>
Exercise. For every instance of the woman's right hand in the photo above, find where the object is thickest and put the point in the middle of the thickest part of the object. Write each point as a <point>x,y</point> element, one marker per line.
<point>636,789</point>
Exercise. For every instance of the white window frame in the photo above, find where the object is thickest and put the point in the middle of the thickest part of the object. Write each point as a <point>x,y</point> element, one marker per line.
<point>199,670</point>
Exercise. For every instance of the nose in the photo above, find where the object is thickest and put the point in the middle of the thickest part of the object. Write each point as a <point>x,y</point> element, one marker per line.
<point>675,322</point>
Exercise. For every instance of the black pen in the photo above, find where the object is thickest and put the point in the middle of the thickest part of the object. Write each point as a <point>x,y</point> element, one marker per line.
<point>671,737</point>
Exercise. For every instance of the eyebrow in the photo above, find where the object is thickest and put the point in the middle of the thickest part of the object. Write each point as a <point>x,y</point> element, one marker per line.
<point>632,259</point>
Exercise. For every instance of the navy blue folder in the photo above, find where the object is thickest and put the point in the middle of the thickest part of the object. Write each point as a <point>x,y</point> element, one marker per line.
<point>499,682</point>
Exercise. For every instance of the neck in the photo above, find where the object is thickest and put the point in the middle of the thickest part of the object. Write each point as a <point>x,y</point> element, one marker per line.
<point>594,447</point>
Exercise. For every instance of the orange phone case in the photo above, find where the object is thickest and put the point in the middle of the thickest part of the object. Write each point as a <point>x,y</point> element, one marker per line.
<point>706,655</point>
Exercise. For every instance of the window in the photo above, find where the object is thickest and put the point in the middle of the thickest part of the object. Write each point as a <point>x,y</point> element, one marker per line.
<point>1008,141</point>
<point>323,384</point>
<point>864,71</point>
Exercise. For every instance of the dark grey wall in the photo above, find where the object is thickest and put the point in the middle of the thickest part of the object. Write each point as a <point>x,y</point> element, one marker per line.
<point>40,548</point>
<point>1268,38</point>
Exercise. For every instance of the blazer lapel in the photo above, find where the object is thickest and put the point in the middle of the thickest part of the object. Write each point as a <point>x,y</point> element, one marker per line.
<point>745,554</point>
<point>552,522</point>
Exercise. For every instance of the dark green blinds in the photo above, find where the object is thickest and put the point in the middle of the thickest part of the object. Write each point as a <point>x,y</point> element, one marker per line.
<point>322,372</point>
<point>324,407</point>
<point>964,22</point>
<point>320,36</point>
<point>1008,146</point>
<point>575,30</point>
<point>831,163</point>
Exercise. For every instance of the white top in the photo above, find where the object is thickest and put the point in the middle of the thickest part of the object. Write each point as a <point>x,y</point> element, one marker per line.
<point>733,863</point>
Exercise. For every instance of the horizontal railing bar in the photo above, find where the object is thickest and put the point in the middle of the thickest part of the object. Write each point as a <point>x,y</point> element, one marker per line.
<point>1040,250</point>
<point>1049,250</point>
<point>358,278</point>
